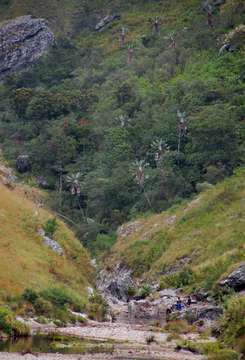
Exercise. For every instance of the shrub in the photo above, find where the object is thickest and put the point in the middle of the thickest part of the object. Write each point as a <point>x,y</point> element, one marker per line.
<point>6,320</point>
<point>232,322</point>
<point>50,227</point>
<point>131,291</point>
<point>224,354</point>
<point>30,295</point>
<point>178,279</point>
<point>42,320</point>
<point>200,187</point>
<point>62,297</point>
<point>179,327</point>
<point>145,291</point>
<point>43,307</point>
<point>97,308</point>
<point>103,243</point>
<point>10,326</point>
<point>19,329</point>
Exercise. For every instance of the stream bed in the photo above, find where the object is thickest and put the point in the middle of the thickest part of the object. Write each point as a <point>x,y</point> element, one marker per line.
<point>55,344</point>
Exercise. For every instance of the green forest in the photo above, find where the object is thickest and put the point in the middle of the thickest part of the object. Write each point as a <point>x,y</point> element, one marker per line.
<point>131,119</point>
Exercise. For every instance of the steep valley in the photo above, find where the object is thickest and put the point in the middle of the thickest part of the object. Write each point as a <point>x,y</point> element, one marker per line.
<point>122,179</point>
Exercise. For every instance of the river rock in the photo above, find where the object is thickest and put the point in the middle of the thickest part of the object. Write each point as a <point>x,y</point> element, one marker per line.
<point>23,164</point>
<point>23,41</point>
<point>106,21</point>
<point>236,280</point>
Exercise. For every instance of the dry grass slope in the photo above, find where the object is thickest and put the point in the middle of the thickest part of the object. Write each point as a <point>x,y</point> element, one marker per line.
<point>25,260</point>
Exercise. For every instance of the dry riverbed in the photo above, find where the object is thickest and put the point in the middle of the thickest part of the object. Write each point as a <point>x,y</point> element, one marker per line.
<point>129,342</point>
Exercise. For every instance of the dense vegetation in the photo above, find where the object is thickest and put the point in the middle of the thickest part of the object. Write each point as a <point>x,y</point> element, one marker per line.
<point>102,123</point>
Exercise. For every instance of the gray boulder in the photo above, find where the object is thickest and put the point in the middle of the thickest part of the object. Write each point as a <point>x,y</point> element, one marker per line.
<point>210,312</point>
<point>212,5</point>
<point>23,164</point>
<point>53,245</point>
<point>236,280</point>
<point>116,283</point>
<point>106,21</point>
<point>22,41</point>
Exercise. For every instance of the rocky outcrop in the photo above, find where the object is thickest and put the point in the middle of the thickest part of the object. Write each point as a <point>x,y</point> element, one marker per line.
<point>52,244</point>
<point>212,5</point>
<point>105,21</point>
<point>23,41</point>
<point>236,280</point>
<point>128,229</point>
<point>7,176</point>
<point>115,284</point>
<point>210,312</point>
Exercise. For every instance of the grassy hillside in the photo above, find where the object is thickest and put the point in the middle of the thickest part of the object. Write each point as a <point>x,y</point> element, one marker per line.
<point>198,241</point>
<point>25,261</point>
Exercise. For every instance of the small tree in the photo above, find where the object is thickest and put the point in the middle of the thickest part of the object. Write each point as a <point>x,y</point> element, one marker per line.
<point>50,227</point>
<point>171,38</point>
<point>74,183</point>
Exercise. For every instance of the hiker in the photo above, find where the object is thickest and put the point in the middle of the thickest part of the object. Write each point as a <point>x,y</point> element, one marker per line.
<point>179,304</point>
<point>224,48</point>
<point>189,301</point>
<point>168,313</point>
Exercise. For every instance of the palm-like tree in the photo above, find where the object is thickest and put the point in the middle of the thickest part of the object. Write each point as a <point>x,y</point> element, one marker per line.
<point>123,120</point>
<point>74,183</point>
<point>73,180</point>
<point>161,148</point>
<point>139,172</point>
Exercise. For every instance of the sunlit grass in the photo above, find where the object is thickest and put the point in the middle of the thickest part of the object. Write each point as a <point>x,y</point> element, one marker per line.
<point>25,260</point>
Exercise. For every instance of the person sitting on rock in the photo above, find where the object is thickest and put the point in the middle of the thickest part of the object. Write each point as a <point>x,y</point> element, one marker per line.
<point>189,301</point>
<point>168,313</point>
<point>179,304</point>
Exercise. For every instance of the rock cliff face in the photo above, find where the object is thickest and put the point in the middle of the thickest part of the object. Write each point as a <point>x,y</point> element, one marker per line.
<point>236,280</point>
<point>22,42</point>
